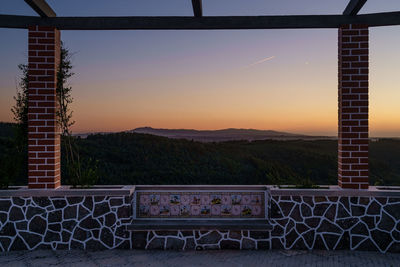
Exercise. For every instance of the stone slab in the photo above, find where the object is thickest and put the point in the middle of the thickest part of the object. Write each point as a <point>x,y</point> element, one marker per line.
<point>199,225</point>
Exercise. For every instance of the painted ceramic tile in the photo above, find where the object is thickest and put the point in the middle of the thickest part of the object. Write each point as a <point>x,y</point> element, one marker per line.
<point>144,210</point>
<point>205,199</point>
<point>175,199</point>
<point>226,200</point>
<point>185,210</point>
<point>216,199</point>
<point>195,199</point>
<point>205,210</point>
<point>246,199</point>
<point>164,210</point>
<point>154,199</point>
<point>194,204</point>
<point>256,199</point>
<point>256,210</point>
<point>226,210</point>
<point>236,199</point>
<point>185,199</point>
<point>195,210</point>
<point>235,210</point>
<point>216,210</point>
<point>246,210</point>
<point>154,210</point>
<point>175,209</point>
<point>144,199</point>
<point>164,199</point>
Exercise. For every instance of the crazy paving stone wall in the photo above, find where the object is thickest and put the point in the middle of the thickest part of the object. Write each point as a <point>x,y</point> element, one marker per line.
<point>90,222</point>
<point>300,222</point>
<point>199,240</point>
<point>363,223</point>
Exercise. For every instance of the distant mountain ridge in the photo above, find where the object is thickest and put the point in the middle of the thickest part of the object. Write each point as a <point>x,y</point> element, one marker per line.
<point>229,134</point>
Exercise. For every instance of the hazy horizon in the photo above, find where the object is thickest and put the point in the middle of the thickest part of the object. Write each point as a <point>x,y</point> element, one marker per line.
<point>216,129</point>
<point>219,129</point>
<point>284,80</point>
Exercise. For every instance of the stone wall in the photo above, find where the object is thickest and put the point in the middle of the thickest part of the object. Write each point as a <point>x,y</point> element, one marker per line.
<point>300,219</point>
<point>319,222</point>
<point>199,240</point>
<point>300,222</point>
<point>82,222</point>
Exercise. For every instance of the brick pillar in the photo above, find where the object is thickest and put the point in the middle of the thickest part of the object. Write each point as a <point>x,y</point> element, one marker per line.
<point>353,107</point>
<point>43,132</point>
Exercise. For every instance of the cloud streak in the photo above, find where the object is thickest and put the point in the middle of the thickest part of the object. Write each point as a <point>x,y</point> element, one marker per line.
<point>259,62</point>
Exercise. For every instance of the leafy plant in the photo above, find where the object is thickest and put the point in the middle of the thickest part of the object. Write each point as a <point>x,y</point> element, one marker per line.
<point>306,183</point>
<point>78,174</point>
<point>14,162</point>
<point>83,173</point>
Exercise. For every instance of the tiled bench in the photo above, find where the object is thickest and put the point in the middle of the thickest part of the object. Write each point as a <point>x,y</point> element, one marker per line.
<point>200,207</point>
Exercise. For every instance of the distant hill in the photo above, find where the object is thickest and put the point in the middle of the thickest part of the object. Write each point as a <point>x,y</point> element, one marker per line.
<point>230,134</point>
<point>133,158</point>
<point>85,135</point>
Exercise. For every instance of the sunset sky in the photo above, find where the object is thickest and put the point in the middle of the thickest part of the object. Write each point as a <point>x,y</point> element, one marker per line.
<point>265,79</point>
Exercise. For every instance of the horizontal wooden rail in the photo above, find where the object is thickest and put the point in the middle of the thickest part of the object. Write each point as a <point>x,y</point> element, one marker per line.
<point>201,23</point>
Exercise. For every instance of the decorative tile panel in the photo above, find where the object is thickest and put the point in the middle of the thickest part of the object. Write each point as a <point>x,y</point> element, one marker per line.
<point>223,204</point>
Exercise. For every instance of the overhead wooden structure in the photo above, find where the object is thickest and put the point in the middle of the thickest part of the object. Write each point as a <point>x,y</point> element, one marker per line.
<point>42,8</point>
<point>354,7</point>
<point>198,21</point>
<point>197,8</point>
<point>201,23</point>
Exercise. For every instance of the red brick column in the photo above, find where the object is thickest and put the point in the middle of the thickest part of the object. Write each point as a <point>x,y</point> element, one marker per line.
<point>43,132</point>
<point>353,107</point>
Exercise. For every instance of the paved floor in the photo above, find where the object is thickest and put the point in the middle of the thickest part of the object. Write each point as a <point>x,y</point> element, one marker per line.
<point>44,258</point>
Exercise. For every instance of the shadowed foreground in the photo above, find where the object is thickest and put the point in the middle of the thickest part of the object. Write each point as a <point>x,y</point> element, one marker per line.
<point>197,258</point>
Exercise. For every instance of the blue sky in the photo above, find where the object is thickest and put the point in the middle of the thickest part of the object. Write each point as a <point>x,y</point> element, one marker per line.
<point>209,79</point>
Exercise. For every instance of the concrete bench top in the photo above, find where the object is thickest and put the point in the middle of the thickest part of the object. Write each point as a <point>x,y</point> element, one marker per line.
<point>137,225</point>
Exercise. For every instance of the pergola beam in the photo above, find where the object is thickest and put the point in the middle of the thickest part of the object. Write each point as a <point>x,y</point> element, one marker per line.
<point>197,8</point>
<point>354,7</point>
<point>202,23</point>
<point>42,8</point>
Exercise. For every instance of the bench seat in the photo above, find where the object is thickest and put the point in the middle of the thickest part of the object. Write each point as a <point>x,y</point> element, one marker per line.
<point>144,224</point>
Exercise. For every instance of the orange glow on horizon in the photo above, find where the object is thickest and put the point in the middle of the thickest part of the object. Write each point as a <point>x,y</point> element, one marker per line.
<point>267,80</point>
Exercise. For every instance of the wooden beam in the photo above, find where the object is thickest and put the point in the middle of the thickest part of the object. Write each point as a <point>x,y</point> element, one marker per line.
<point>42,8</point>
<point>197,8</point>
<point>202,23</point>
<point>353,7</point>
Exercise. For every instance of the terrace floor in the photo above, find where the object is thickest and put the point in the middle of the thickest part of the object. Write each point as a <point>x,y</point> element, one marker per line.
<point>197,258</point>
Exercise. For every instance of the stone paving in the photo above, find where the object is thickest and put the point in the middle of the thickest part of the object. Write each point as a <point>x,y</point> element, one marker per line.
<point>197,258</point>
